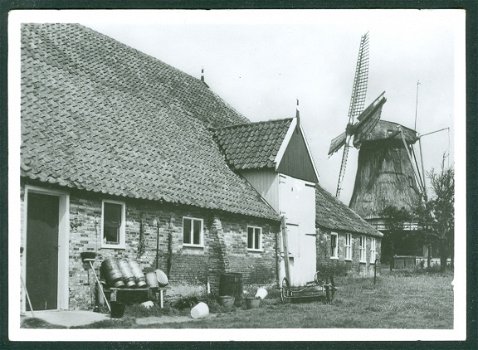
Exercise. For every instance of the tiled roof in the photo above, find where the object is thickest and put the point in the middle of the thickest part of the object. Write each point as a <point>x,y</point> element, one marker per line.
<point>332,214</point>
<point>100,116</point>
<point>252,145</point>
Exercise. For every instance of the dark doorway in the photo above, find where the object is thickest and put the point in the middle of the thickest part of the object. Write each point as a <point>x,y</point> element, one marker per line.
<point>42,250</point>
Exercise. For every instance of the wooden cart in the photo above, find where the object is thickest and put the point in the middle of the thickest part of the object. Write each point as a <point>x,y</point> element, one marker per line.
<point>322,287</point>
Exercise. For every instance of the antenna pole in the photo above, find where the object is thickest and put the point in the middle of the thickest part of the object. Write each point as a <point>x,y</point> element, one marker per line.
<point>416,105</point>
<point>423,171</point>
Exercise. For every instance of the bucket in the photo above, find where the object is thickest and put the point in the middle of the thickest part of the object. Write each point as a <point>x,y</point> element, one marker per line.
<point>227,301</point>
<point>261,293</point>
<point>162,278</point>
<point>137,273</point>
<point>231,284</point>
<point>252,303</point>
<point>152,280</point>
<point>117,309</point>
<point>112,273</point>
<point>200,310</point>
<point>127,273</point>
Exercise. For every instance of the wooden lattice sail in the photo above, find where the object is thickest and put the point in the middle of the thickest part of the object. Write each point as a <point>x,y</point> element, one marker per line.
<point>385,172</point>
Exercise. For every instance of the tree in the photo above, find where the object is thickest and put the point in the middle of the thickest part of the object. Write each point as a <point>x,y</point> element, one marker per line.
<point>442,211</point>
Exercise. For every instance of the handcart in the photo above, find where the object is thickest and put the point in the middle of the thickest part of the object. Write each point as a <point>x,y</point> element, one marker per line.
<point>321,287</point>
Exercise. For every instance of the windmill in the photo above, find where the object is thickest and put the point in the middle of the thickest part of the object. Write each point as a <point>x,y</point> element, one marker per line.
<point>367,119</point>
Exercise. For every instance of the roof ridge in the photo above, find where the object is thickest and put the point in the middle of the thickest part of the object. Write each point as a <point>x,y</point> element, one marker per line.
<point>252,123</point>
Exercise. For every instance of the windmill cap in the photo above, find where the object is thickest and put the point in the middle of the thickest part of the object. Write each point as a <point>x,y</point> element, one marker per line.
<point>385,130</point>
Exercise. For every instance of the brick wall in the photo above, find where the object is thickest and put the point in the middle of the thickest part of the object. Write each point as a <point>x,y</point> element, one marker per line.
<point>225,245</point>
<point>353,266</point>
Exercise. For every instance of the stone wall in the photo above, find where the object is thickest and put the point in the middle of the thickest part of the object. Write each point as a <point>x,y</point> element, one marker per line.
<point>224,250</point>
<point>353,266</point>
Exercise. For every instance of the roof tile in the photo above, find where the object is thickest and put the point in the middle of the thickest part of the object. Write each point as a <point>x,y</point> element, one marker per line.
<point>101,116</point>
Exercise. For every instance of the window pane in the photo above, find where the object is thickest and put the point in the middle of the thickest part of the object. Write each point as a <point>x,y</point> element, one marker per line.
<point>250,238</point>
<point>187,231</point>
<point>197,232</point>
<point>112,222</point>
<point>257,237</point>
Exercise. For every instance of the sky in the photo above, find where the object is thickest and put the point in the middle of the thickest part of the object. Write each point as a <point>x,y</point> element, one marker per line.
<point>260,61</point>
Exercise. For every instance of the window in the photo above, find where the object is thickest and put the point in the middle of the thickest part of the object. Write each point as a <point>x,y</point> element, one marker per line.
<point>192,231</point>
<point>254,238</point>
<point>348,246</point>
<point>362,247</point>
<point>373,250</point>
<point>334,249</point>
<point>113,224</point>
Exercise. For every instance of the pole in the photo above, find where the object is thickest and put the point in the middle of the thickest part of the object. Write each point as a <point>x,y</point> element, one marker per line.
<point>286,248</point>
<point>100,286</point>
<point>157,243</point>
<point>423,171</point>
<point>416,105</point>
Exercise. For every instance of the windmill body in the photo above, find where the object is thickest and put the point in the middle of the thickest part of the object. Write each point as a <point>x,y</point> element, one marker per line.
<point>385,175</point>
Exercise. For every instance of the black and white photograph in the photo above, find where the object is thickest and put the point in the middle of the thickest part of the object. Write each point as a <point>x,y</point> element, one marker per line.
<point>237,175</point>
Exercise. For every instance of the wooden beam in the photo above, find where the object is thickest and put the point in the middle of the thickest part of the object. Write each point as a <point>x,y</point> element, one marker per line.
<point>285,244</point>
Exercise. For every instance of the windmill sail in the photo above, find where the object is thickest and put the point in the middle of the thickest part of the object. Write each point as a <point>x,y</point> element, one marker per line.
<point>368,119</point>
<point>357,101</point>
<point>337,143</point>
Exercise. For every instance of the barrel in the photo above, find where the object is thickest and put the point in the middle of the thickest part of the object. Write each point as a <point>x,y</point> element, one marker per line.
<point>152,280</point>
<point>127,273</point>
<point>112,273</point>
<point>231,284</point>
<point>137,273</point>
<point>162,278</point>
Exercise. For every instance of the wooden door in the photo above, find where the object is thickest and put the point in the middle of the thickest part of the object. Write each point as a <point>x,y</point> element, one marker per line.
<point>42,251</point>
<point>297,203</point>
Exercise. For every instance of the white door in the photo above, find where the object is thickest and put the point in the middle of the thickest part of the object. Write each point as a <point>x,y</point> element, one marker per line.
<point>297,203</point>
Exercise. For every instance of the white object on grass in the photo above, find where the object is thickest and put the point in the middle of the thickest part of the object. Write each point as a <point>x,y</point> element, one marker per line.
<point>200,310</point>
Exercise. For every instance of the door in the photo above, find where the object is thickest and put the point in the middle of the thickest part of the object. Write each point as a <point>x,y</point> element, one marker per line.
<point>42,250</point>
<point>297,203</point>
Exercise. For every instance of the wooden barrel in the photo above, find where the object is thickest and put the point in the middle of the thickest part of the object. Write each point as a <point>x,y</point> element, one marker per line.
<point>231,284</point>
<point>127,273</point>
<point>162,278</point>
<point>111,272</point>
<point>152,280</point>
<point>137,273</point>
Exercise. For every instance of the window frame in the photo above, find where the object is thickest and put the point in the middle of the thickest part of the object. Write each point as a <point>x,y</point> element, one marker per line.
<point>191,233</point>
<point>254,228</point>
<point>373,249</point>
<point>122,231</point>
<point>334,253</point>
<point>363,249</point>
<point>348,247</point>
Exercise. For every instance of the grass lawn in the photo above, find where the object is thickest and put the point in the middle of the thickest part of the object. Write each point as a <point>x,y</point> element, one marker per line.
<point>398,300</point>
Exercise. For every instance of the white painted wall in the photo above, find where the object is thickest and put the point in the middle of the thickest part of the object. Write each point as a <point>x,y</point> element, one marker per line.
<point>266,183</point>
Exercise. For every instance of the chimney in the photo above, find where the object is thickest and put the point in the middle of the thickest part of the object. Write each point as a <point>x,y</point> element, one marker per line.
<point>202,75</point>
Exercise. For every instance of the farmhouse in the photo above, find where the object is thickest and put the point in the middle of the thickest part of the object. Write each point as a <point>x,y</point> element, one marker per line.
<point>126,156</point>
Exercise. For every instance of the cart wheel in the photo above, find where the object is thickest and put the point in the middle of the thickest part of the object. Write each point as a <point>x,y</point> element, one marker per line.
<point>284,290</point>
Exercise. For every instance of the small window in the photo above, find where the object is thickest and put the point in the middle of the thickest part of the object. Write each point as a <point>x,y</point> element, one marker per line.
<point>192,231</point>
<point>113,224</point>
<point>254,238</point>
<point>362,248</point>
<point>373,250</point>
<point>334,249</point>
<point>348,246</point>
